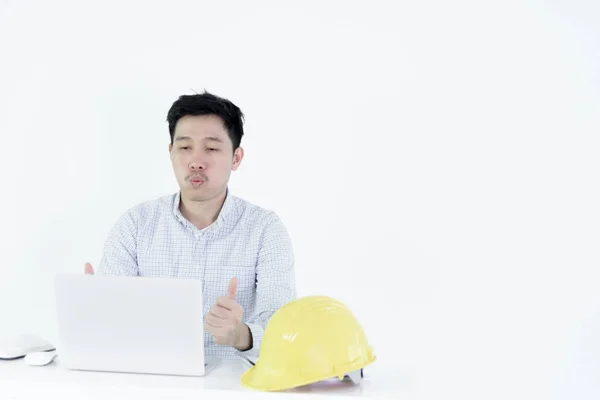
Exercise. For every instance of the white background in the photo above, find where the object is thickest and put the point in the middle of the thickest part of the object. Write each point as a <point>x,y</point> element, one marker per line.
<point>436,163</point>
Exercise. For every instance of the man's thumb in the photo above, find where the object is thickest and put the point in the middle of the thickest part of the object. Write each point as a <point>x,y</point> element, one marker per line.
<point>88,269</point>
<point>232,288</point>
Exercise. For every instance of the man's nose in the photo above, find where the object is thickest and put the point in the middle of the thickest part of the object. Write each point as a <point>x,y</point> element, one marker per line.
<point>197,166</point>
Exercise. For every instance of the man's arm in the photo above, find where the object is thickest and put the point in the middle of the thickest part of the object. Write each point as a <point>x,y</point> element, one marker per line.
<point>276,281</point>
<point>120,249</point>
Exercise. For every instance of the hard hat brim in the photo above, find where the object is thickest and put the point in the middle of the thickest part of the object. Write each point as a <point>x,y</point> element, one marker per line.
<point>252,379</point>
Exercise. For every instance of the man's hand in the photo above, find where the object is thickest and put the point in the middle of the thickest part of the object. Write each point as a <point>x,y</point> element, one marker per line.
<point>88,269</point>
<point>224,321</point>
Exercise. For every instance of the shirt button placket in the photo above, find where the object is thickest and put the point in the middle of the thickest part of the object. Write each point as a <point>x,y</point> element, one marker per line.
<point>200,252</point>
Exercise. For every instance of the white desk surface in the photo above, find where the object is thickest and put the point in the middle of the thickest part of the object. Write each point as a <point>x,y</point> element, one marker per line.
<point>18,381</point>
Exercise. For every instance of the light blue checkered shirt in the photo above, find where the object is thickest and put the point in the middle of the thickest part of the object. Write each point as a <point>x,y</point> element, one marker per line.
<point>246,241</point>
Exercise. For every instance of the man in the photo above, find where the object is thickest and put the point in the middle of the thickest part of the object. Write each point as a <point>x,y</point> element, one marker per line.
<point>240,251</point>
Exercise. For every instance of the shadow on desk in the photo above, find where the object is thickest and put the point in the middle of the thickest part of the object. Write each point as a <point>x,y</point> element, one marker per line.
<point>333,385</point>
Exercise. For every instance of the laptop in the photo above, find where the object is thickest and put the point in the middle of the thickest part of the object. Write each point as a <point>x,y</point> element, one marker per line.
<point>146,325</point>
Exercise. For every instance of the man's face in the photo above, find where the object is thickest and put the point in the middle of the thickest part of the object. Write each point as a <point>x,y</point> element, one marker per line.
<point>202,156</point>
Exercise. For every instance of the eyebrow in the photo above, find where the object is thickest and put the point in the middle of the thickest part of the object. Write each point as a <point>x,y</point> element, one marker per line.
<point>210,138</point>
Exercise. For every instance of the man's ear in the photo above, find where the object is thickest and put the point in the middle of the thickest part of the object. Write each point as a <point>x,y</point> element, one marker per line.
<point>170,151</point>
<point>238,155</point>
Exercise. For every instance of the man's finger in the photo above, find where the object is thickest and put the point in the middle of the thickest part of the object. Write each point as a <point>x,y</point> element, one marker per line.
<point>219,312</point>
<point>88,269</point>
<point>226,303</point>
<point>213,322</point>
<point>215,331</point>
<point>232,289</point>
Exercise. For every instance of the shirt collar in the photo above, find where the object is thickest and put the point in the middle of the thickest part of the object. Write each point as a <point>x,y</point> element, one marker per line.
<point>224,213</point>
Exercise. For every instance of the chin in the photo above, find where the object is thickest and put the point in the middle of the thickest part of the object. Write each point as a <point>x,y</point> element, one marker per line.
<point>200,193</point>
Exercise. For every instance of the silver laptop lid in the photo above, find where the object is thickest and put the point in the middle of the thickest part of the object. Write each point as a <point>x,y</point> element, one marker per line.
<point>130,324</point>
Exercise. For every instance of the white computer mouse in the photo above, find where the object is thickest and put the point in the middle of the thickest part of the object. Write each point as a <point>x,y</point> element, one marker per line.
<point>40,358</point>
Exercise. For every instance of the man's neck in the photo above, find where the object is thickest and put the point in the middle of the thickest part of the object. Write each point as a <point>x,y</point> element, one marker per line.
<point>202,213</point>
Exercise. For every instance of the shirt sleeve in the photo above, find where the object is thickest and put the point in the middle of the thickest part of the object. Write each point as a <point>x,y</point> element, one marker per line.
<point>276,281</point>
<point>120,249</point>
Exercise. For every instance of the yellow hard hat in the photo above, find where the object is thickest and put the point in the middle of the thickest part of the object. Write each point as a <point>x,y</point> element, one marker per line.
<point>308,340</point>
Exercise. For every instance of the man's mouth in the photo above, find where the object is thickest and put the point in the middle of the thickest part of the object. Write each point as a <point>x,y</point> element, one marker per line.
<point>197,180</point>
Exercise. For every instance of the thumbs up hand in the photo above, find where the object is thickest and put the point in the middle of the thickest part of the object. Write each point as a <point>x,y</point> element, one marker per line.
<point>224,321</point>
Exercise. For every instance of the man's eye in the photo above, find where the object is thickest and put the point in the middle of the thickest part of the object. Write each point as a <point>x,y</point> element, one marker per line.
<point>184,147</point>
<point>212,149</point>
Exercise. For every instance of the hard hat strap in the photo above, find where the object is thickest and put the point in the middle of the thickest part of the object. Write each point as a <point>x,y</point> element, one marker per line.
<point>356,376</point>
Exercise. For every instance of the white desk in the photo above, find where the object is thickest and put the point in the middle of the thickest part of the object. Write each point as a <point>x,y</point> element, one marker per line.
<point>18,381</point>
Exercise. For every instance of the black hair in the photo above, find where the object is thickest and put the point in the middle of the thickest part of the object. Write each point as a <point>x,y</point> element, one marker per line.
<point>208,104</point>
